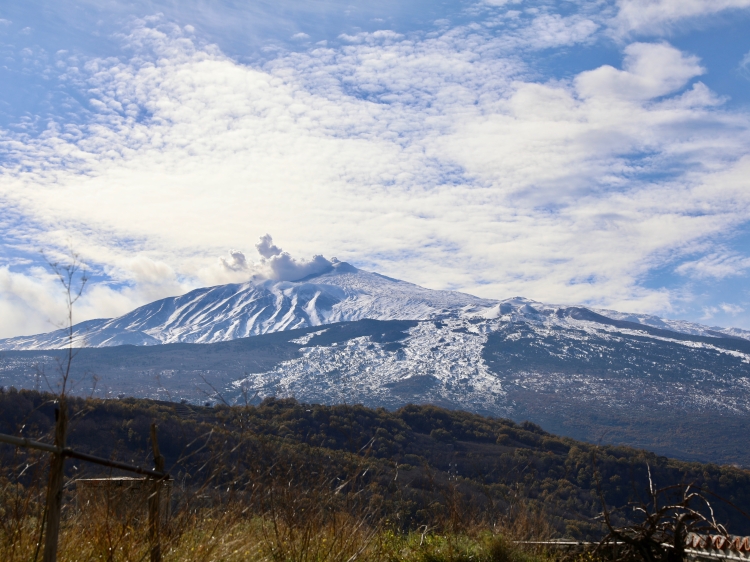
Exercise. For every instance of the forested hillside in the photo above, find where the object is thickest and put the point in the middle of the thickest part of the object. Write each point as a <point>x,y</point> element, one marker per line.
<point>414,464</point>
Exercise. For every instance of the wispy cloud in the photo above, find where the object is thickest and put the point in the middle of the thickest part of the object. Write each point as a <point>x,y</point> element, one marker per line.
<point>711,312</point>
<point>718,265</point>
<point>441,157</point>
<point>660,16</point>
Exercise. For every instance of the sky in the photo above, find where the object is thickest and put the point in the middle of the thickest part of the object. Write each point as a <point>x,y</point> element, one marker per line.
<point>574,152</point>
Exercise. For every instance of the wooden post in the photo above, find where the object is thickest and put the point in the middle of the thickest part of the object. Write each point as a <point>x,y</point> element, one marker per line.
<point>55,484</point>
<point>154,502</point>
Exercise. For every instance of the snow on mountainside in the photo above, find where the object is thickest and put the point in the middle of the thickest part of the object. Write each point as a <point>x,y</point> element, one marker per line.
<point>681,326</point>
<point>341,294</point>
<point>477,364</point>
<point>227,312</point>
<point>519,309</point>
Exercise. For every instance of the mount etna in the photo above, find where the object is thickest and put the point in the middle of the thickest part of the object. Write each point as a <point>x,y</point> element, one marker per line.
<point>351,336</point>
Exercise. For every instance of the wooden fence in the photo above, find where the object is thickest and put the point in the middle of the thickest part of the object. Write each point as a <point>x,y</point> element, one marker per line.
<point>52,519</point>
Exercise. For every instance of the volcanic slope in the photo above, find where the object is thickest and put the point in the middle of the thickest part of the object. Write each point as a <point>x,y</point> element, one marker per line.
<point>341,294</point>
<point>227,312</point>
<point>350,336</point>
<point>573,372</point>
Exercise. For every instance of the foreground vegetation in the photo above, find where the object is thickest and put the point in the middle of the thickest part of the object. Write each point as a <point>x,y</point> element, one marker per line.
<point>290,481</point>
<point>228,535</point>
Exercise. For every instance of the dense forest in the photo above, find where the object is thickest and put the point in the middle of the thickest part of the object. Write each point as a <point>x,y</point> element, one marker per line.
<point>416,465</point>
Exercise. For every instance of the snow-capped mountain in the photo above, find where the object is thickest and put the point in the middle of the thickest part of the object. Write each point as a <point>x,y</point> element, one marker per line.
<point>226,312</point>
<point>341,294</point>
<point>348,335</point>
<point>573,371</point>
<point>478,363</point>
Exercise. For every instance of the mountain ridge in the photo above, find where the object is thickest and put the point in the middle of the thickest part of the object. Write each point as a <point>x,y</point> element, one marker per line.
<point>340,293</point>
<point>683,395</point>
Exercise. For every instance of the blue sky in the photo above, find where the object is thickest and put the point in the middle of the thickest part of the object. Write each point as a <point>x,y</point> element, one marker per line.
<point>571,152</point>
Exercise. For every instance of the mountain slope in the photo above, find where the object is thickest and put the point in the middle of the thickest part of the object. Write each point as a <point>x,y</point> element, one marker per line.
<point>228,312</point>
<point>341,294</point>
<point>350,336</point>
<point>573,372</point>
<point>423,460</point>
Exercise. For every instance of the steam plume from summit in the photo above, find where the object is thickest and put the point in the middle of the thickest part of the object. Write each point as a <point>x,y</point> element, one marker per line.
<point>274,263</point>
<point>266,248</point>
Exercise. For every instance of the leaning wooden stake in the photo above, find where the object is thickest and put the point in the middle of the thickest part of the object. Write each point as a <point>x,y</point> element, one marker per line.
<point>154,500</point>
<point>55,485</point>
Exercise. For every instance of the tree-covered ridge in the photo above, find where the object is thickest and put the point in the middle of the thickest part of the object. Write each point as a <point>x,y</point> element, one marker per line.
<point>415,461</point>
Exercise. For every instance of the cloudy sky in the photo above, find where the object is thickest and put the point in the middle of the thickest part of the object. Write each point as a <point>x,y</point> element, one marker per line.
<point>593,152</point>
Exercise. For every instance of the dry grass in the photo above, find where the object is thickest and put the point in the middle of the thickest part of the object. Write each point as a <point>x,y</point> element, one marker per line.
<point>281,520</point>
<point>224,538</point>
<point>242,496</point>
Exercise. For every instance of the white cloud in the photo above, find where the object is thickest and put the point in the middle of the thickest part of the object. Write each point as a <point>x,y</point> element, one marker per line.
<point>34,302</point>
<point>732,309</point>
<point>649,71</point>
<point>716,265</point>
<point>28,303</point>
<point>433,159</point>
<point>659,16</point>
<point>553,30</point>
<point>710,312</point>
<point>235,262</point>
